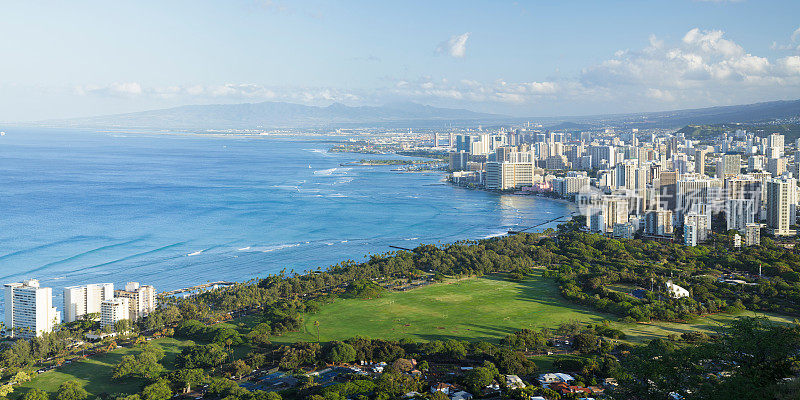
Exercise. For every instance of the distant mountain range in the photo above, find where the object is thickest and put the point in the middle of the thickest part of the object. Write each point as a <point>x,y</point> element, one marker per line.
<point>272,115</point>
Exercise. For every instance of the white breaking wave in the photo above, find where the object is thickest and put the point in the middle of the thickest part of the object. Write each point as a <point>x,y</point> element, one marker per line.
<point>195,253</point>
<point>267,249</point>
<point>332,171</point>
<point>326,172</point>
<point>489,236</point>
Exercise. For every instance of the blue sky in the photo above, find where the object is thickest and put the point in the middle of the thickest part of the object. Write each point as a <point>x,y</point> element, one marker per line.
<point>525,58</point>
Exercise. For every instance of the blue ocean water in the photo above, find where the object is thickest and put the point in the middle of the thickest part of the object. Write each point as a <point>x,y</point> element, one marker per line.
<point>174,211</point>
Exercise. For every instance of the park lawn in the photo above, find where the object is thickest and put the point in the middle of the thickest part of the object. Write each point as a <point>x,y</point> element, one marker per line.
<point>643,332</point>
<point>95,373</point>
<point>486,308</point>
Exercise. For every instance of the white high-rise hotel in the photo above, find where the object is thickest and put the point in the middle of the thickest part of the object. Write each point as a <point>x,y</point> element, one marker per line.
<point>29,309</point>
<point>142,299</point>
<point>114,310</point>
<point>86,299</point>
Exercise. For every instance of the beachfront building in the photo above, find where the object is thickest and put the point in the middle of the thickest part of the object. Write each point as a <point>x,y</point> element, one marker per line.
<point>142,299</point>
<point>509,175</point>
<point>29,309</point>
<point>85,299</point>
<point>114,310</point>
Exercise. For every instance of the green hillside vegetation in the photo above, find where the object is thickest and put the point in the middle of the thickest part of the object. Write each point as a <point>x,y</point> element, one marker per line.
<point>710,132</point>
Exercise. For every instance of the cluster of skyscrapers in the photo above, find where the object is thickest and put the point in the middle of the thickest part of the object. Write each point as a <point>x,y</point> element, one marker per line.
<point>29,310</point>
<point>657,183</point>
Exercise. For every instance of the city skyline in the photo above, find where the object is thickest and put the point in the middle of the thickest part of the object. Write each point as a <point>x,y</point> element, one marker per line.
<point>513,58</point>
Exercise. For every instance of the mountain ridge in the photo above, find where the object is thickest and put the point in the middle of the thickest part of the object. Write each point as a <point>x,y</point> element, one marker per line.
<point>278,115</point>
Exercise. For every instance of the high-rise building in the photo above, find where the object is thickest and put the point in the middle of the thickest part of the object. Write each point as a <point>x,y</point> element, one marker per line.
<point>458,160</point>
<point>729,164</point>
<point>86,299</point>
<point>700,162</point>
<point>740,212</point>
<point>689,234</point>
<point>701,224</point>
<point>781,205</point>
<point>509,175</point>
<point>776,166</point>
<point>658,223</point>
<point>774,146</point>
<point>600,153</point>
<point>29,309</point>
<point>114,310</point>
<point>142,299</point>
<point>752,234</point>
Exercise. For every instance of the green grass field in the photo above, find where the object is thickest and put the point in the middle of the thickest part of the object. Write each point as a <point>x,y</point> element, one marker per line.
<point>474,309</point>
<point>95,373</point>
<point>485,308</point>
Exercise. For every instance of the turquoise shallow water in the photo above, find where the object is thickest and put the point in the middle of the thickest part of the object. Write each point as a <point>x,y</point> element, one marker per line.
<point>175,211</point>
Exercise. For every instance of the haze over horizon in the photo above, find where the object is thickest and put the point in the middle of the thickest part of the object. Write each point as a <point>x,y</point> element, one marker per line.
<point>573,58</point>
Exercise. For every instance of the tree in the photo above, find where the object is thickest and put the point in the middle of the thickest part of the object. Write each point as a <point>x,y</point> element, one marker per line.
<point>36,394</point>
<point>585,342</point>
<point>123,325</point>
<point>6,390</point>
<point>240,368</point>
<point>259,336</point>
<point>21,377</point>
<point>206,356</point>
<point>186,378</point>
<point>71,390</point>
<point>439,396</point>
<point>340,352</point>
<point>262,395</point>
<point>479,378</point>
<point>143,365</point>
<point>157,391</point>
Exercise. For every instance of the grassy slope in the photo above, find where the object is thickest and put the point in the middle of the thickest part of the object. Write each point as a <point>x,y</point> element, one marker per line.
<point>472,309</point>
<point>95,373</point>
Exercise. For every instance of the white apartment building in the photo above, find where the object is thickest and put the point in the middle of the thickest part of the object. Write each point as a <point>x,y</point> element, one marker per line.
<point>114,310</point>
<point>142,299</point>
<point>29,309</point>
<point>509,175</point>
<point>86,299</point>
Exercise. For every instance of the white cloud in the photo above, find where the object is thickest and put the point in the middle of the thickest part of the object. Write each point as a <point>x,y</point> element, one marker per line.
<point>456,46</point>
<point>499,91</point>
<point>243,92</point>
<point>116,89</point>
<point>703,59</point>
